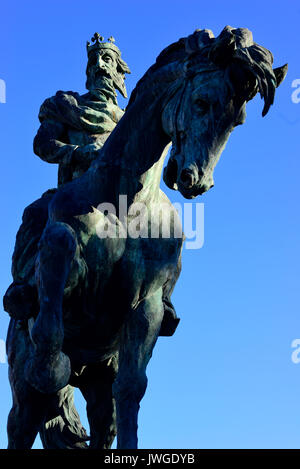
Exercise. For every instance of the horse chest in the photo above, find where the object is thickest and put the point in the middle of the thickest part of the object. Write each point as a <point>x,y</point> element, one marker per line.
<point>134,267</point>
<point>146,264</point>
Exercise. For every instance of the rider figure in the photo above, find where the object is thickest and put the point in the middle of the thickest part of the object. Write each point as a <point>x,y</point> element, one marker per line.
<point>74,127</point>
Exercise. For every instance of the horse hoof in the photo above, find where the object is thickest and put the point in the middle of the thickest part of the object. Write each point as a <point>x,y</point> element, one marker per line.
<point>48,375</point>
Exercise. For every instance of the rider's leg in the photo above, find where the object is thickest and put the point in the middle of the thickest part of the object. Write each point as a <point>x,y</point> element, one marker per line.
<point>101,409</point>
<point>49,368</point>
<point>20,301</point>
<point>138,339</point>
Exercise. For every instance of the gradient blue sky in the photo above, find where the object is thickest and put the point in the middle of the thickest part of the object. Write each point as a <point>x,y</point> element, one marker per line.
<point>225,379</point>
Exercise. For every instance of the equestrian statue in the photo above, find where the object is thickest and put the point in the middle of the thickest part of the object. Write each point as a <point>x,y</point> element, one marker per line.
<point>93,269</point>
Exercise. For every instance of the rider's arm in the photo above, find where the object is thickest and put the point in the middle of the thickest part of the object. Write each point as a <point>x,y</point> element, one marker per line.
<point>49,143</point>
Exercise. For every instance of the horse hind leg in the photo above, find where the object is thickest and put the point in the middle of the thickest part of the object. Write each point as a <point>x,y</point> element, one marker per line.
<point>26,415</point>
<point>29,406</point>
<point>62,428</point>
<point>48,369</point>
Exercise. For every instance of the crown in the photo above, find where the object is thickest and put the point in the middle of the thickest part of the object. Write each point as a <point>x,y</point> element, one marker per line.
<point>98,44</point>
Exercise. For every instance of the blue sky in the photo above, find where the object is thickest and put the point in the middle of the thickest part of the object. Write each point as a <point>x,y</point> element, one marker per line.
<point>226,378</point>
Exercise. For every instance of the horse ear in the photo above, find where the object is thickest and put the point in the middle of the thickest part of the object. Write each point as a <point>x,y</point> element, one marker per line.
<point>280,74</point>
<point>243,80</point>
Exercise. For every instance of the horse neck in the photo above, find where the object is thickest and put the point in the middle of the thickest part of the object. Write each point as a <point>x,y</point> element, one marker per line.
<point>132,157</point>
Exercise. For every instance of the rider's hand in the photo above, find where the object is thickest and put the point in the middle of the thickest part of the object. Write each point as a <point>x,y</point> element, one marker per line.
<point>86,154</point>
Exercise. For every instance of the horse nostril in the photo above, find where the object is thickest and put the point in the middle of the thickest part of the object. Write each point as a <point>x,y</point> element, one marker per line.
<point>187,178</point>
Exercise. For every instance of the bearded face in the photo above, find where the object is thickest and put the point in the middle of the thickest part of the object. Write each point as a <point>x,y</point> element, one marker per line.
<point>103,71</point>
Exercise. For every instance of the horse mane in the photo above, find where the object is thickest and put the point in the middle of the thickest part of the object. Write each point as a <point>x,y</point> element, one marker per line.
<point>247,65</point>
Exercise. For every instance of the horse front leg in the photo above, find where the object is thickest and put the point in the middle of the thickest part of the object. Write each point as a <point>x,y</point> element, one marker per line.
<point>48,369</point>
<point>138,339</point>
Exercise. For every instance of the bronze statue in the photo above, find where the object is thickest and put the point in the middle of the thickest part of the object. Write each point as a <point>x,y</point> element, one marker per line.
<point>100,304</point>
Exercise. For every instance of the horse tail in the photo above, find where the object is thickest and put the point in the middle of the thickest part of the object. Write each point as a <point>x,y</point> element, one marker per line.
<point>62,428</point>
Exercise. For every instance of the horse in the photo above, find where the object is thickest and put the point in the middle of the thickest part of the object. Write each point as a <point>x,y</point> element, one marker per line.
<point>100,297</point>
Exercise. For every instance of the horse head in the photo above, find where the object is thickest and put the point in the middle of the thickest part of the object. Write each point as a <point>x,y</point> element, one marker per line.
<point>217,78</point>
